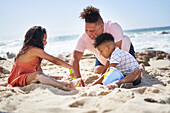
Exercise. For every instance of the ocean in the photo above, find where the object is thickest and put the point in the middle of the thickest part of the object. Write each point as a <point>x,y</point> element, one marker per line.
<point>142,39</point>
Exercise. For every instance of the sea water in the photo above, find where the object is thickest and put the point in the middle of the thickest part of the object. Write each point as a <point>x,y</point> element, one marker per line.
<point>142,39</point>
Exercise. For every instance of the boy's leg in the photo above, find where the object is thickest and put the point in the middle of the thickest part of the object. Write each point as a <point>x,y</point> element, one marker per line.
<point>142,70</point>
<point>42,78</point>
<point>134,77</point>
<point>131,77</point>
<point>98,67</point>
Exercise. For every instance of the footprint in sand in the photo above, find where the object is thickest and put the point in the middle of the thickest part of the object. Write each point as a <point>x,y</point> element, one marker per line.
<point>143,90</point>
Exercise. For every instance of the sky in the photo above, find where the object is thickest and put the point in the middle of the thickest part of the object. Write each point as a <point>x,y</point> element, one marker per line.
<point>61,17</point>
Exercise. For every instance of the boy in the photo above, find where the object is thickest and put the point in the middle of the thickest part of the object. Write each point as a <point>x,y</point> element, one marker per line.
<point>119,59</point>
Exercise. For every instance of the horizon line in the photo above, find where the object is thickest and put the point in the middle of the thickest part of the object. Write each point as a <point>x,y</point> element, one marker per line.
<point>137,29</point>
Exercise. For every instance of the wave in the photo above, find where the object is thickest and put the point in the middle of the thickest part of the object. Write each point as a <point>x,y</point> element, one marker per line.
<point>149,29</point>
<point>142,39</point>
<point>63,38</point>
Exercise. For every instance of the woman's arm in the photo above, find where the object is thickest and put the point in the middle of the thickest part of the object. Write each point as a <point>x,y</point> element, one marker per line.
<point>75,63</point>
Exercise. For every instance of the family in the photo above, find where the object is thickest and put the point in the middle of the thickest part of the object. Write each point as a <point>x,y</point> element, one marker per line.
<point>115,56</point>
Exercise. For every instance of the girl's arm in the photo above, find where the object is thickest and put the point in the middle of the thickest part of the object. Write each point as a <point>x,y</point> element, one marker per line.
<point>42,54</point>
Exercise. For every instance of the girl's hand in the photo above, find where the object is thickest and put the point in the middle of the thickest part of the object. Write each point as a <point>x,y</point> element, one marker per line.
<point>71,75</point>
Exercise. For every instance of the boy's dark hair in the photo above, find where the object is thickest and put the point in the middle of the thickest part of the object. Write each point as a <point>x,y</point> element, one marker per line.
<point>33,37</point>
<point>104,37</point>
<point>91,15</point>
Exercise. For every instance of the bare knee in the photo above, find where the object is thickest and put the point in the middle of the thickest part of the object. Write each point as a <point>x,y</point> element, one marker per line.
<point>33,77</point>
<point>98,69</point>
<point>38,73</point>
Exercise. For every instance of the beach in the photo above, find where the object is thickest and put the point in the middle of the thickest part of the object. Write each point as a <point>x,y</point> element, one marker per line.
<point>62,28</point>
<point>151,96</point>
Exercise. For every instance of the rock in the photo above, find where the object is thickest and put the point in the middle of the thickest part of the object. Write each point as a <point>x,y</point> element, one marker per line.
<point>151,54</point>
<point>1,69</point>
<point>159,52</point>
<point>142,56</point>
<point>146,57</point>
<point>158,57</point>
<point>154,101</point>
<point>164,55</point>
<point>145,62</point>
<point>150,48</point>
<point>10,55</point>
<point>165,32</point>
<point>137,54</point>
<point>2,58</point>
<point>68,56</point>
<point>168,56</point>
<point>88,56</point>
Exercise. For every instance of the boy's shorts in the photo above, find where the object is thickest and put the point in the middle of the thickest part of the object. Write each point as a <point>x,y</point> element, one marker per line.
<point>136,82</point>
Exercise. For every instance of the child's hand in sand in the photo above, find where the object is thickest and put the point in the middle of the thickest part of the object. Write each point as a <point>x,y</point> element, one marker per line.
<point>72,75</point>
<point>77,82</point>
<point>72,85</point>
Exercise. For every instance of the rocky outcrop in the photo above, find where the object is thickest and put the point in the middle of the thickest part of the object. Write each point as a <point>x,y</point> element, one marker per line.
<point>145,56</point>
<point>10,55</point>
<point>2,58</point>
<point>165,32</point>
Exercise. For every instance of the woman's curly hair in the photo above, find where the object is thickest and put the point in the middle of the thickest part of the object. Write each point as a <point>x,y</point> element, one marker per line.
<point>91,15</point>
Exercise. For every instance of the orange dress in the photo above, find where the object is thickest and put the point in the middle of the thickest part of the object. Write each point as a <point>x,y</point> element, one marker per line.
<point>20,71</point>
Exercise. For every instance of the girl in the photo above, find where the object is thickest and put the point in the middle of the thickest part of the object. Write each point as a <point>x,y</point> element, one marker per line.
<point>27,67</point>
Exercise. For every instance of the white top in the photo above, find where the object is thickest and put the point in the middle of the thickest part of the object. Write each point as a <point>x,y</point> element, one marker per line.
<point>84,41</point>
<point>126,63</point>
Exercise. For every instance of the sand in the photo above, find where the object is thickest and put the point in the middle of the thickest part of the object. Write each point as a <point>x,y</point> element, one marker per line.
<point>151,96</point>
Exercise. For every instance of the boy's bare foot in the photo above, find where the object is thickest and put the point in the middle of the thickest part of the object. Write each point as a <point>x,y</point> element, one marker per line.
<point>127,85</point>
<point>114,85</point>
<point>142,68</point>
